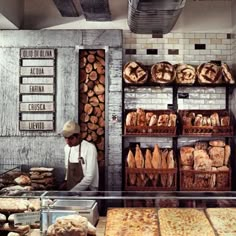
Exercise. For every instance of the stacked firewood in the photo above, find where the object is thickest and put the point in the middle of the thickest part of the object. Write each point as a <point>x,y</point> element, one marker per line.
<point>92,98</point>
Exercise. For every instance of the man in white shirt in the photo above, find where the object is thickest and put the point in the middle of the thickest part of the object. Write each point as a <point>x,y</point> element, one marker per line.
<point>80,160</point>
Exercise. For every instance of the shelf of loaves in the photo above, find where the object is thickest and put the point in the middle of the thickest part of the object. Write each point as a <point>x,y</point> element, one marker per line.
<point>165,73</point>
<point>209,123</point>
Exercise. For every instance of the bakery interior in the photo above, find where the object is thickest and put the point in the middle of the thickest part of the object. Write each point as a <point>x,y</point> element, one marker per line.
<point>152,84</point>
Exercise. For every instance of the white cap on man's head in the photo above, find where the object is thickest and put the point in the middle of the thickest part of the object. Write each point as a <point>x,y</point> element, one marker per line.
<point>70,128</point>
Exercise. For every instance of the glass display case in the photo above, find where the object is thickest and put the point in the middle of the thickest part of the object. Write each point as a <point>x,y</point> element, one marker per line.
<point>136,208</point>
<point>119,213</point>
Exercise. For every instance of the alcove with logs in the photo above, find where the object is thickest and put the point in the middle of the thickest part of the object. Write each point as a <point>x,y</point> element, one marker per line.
<point>92,102</point>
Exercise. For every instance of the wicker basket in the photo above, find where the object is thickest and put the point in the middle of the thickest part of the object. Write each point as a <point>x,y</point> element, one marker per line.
<point>151,130</point>
<point>206,130</point>
<point>194,180</point>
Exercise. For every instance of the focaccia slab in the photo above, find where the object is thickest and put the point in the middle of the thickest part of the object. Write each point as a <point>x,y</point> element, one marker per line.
<point>223,220</point>
<point>132,221</point>
<point>183,221</point>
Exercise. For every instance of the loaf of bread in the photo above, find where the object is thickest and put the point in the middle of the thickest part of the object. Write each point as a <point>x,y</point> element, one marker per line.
<point>131,164</point>
<point>131,119</point>
<point>132,221</point>
<point>163,120</point>
<point>217,155</point>
<point>209,73</point>
<point>71,225</point>
<point>185,74</point>
<point>217,143</point>
<point>227,74</point>
<point>10,205</point>
<point>41,169</point>
<point>2,219</point>
<point>23,180</point>
<point>135,73</point>
<point>183,221</point>
<point>163,73</point>
<point>186,156</point>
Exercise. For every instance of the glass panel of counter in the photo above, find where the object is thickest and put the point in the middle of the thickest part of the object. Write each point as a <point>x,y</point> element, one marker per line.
<point>101,207</point>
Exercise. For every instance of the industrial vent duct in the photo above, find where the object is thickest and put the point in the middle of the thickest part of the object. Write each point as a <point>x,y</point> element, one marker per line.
<point>153,16</point>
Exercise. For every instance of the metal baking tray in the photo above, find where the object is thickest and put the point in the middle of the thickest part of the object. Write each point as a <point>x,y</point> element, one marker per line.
<point>81,205</point>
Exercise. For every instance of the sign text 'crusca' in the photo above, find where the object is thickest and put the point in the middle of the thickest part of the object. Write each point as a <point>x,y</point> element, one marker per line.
<point>36,125</point>
<point>37,107</point>
<point>37,53</point>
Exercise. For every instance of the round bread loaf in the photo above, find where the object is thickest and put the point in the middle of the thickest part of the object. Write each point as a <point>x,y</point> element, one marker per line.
<point>135,73</point>
<point>185,74</point>
<point>163,73</point>
<point>209,73</point>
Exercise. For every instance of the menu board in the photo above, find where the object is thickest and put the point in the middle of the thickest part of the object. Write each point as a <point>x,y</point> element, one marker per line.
<point>37,89</point>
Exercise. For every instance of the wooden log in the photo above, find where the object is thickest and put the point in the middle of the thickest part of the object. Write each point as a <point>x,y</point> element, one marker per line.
<point>88,108</point>
<point>92,52</point>
<point>100,131</point>
<point>102,79</point>
<point>97,111</point>
<point>103,115</point>
<point>83,135</point>
<point>94,101</point>
<point>101,98</point>
<point>100,156</point>
<point>93,75</point>
<point>83,127</point>
<point>99,68</point>
<point>90,93</point>
<point>101,60</point>
<point>93,119</point>
<point>84,117</point>
<point>102,106</point>
<point>99,89</point>
<point>92,126</point>
<point>90,84</point>
<point>100,144</point>
<point>101,53</point>
<point>101,122</point>
<point>91,58</point>
<point>89,138</point>
<point>83,88</point>
<point>83,98</point>
<point>88,68</point>
<point>82,75</point>
<point>82,62</point>
<point>81,107</point>
<point>82,53</point>
<point>94,136</point>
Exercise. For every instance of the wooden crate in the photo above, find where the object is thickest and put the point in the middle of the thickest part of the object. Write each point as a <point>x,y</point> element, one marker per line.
<point>151,130</point>
<point>194,180</point>
<point>206,130</point>
<point>144,182</point>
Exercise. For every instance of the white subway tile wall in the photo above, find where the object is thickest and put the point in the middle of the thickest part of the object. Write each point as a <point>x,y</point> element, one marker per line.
<point>190,48</point>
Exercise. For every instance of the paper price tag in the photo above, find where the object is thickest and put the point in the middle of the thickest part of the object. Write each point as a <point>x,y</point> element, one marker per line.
<point>28,218</point>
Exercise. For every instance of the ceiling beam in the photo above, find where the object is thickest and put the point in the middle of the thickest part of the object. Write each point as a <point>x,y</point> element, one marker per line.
<point>96,10</point>
<point>68,8</point>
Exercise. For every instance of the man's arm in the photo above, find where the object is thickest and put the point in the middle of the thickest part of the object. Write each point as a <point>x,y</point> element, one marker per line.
<point>91,169</point>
